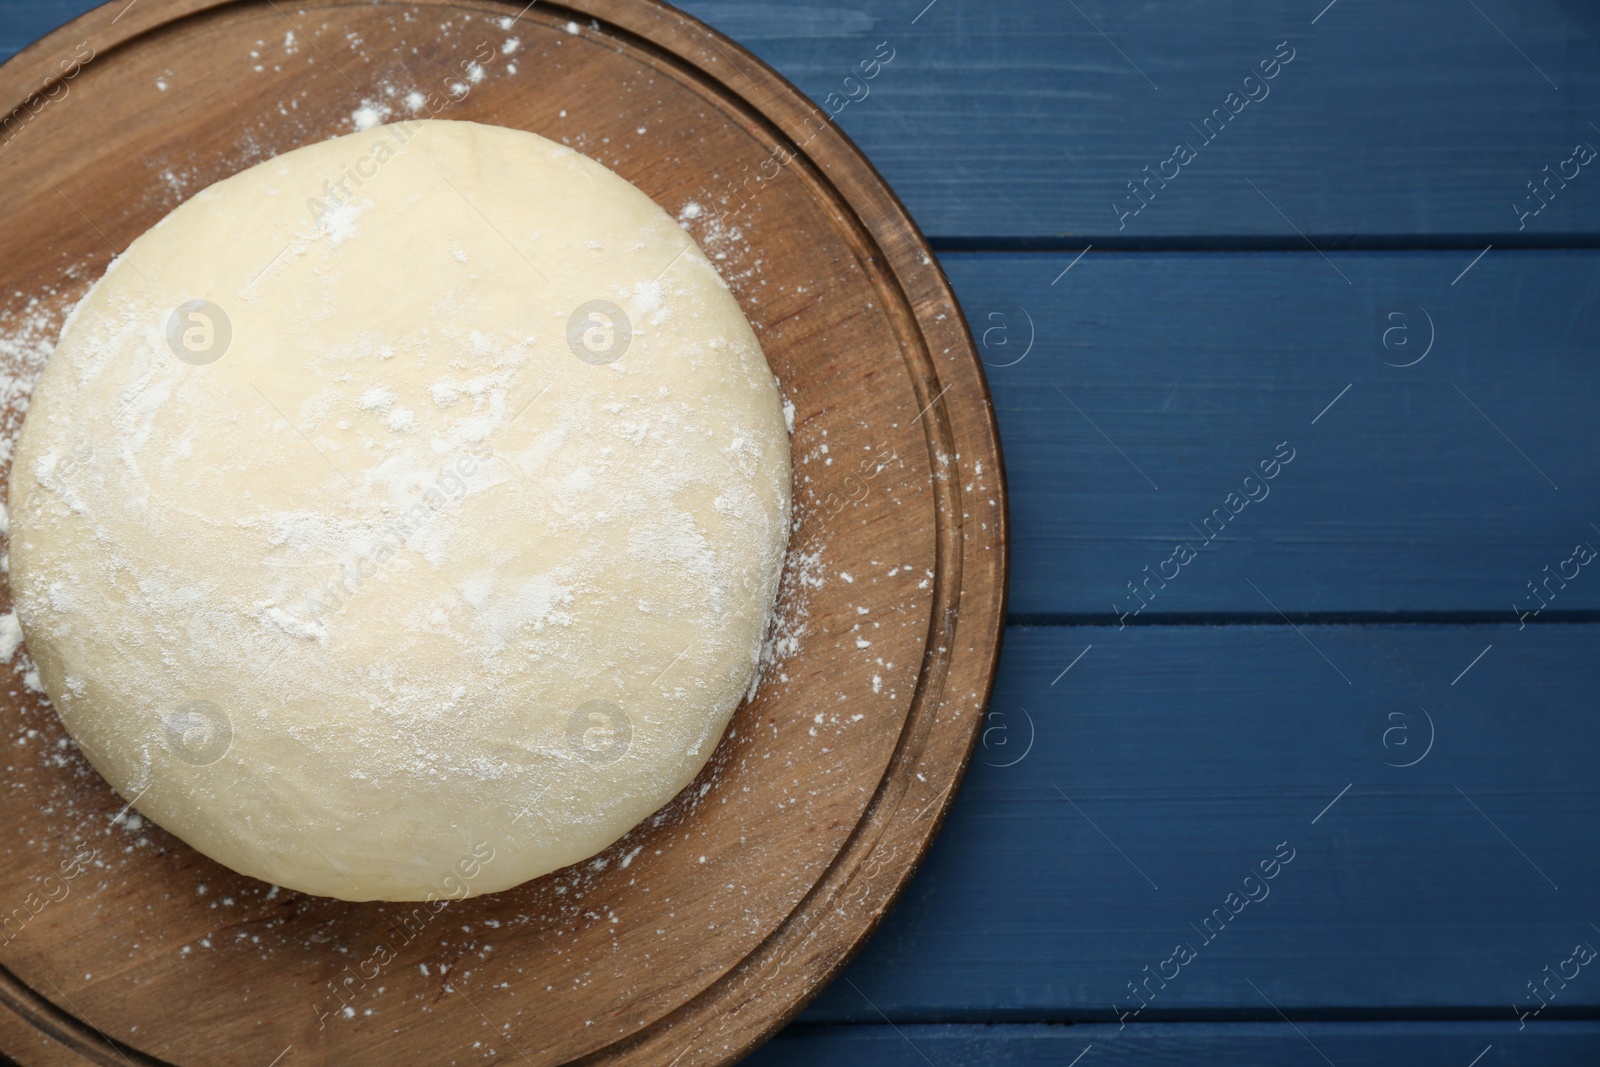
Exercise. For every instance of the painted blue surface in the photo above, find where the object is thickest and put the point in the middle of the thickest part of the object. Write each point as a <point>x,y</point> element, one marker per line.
<point>1271,694</point>
<point>1455,1044</point>
<point>1170,761</point>
<point>1025,119</point>
<point>1442,487</point>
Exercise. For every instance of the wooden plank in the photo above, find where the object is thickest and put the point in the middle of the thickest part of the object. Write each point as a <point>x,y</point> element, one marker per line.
<point>1196,751</point>
<point>1364,1044</point>
<point>1429,488</point>
<point>1029,118</point>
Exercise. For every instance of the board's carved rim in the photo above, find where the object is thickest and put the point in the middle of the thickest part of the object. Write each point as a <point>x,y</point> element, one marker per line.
<point>922,294</point>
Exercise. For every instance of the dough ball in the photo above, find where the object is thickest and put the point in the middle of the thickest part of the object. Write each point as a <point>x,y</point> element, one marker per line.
<point>401,517</point>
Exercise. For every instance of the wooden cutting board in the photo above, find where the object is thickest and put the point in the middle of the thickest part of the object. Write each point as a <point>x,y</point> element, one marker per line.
<point>706,928</point>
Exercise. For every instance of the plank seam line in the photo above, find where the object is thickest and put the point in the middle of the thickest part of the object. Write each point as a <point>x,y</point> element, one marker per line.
<point>1452,619</point>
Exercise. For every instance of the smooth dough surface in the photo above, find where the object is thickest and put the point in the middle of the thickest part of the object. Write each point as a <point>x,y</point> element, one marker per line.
<point>403,564</point>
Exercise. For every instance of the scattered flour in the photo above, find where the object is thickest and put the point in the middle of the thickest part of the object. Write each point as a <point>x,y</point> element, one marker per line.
<point>10,635</point>
<point>370,114</point>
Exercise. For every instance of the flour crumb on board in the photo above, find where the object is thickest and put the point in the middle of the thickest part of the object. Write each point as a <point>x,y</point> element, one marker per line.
<point>370,114</point>
<point>10,635</point>
<point>802,575</point>
<point>27,337</point>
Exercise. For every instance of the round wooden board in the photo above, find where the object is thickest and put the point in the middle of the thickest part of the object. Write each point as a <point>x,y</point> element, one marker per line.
<point>706,928</point>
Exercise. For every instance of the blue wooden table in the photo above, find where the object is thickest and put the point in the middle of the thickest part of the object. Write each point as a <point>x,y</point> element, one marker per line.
<point>1290,316</point>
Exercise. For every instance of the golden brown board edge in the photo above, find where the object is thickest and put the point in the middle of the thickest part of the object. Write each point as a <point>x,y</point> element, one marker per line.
<point>893,234</point>
<point>910,259</point>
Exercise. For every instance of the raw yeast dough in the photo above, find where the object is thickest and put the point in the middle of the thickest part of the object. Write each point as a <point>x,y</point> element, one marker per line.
<point>403,515</point>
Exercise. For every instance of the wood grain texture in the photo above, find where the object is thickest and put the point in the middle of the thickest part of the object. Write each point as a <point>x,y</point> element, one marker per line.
<point>1420,1044</point>
<point>703,930</point>
<point>1444,487</point>
<point>1195,751</point>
